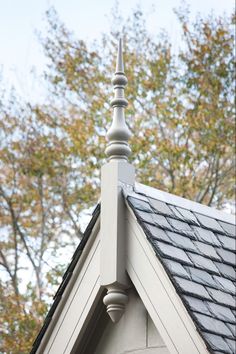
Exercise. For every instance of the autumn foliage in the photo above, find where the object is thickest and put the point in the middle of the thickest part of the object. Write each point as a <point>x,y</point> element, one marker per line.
<point>181,113</point>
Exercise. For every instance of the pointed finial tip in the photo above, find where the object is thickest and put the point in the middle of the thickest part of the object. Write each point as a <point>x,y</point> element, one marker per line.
<point>119,133</point>
<point>119,62</point>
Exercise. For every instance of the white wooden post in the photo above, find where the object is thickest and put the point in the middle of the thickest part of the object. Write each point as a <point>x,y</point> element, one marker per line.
<point>113,237</point>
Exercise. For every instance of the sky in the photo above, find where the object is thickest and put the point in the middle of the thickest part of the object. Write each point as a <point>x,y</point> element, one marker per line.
<point>20,51</point>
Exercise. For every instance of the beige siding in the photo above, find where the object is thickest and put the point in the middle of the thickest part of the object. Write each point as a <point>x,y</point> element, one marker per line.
<point>135,333</point>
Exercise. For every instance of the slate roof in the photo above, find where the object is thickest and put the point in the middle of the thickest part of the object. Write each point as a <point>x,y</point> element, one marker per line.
<point>198,253</point>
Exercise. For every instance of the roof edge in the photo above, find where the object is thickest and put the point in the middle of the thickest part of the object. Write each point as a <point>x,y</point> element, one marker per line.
<point>183,203</point>
<point>65,284</point>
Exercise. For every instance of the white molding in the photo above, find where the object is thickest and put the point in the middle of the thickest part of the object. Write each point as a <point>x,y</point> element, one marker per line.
<point>73,311</point>
<point>159,296</point>
<point>112,259</point>
<point>183,203</point>
<point>112,222</point>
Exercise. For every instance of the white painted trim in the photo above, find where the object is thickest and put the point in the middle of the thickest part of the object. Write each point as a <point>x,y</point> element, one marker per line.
<point>72,313</point>
<point>158,294</point>
<point>184,203</point>
<point>112,225</point>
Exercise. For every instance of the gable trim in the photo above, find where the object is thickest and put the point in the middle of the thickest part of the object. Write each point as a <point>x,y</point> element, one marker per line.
<point>158,294</point>
<point>80,295</point>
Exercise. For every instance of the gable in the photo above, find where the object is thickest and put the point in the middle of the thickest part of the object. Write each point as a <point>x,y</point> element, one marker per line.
<point>198,253</point>
<point>158,268</point>
<point>183,274</point>
<point>134,333</point>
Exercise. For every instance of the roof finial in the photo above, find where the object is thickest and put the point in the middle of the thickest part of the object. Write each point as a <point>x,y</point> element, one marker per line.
<point>119,133</point>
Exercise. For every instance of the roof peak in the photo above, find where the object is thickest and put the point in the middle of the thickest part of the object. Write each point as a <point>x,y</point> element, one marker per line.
<point>119,133</point>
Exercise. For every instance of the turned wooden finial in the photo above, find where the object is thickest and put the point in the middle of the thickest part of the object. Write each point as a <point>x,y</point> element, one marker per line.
<point>113,274</point>
<point>115,301</point>
<point>119,133</point>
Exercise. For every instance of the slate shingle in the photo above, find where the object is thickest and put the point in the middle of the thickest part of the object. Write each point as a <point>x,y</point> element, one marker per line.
<point>227,256</point>
<point>176,268</point>
<point>203,263</point>
<point>186,215</point>
<point>160,207</point>
<point>207,250</point>
<point>232,328</point>
<point>227,242</point>
<point>226,270</point>
<point>139,204</point>
<point>176,213</point>
<point>217,342</point>
<point>202,277</point>
<point>209,223</point>
<point>229,228</point>
<point>180,226</point>
<point>221,312</point>
<point>206,236</point>
<point>157,233</point>
<point>161,221</point>
<point>181,241</point>
<point>213,325</point>
<point>197,305</point>
<point>172,252</point>
<point>221,297</point>
<point>232,344</point>
<point>227,285</point>
<point>145,216</point>
<point>192,288</point>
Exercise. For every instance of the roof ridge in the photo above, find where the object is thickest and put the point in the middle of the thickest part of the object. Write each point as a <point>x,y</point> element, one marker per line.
<point>188,204</point>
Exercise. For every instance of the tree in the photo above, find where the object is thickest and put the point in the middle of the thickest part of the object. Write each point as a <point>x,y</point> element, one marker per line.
<point>181,106</point>
<point>181,114</point>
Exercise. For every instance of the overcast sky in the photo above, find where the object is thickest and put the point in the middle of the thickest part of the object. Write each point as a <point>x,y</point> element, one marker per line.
<point>19,48</point>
